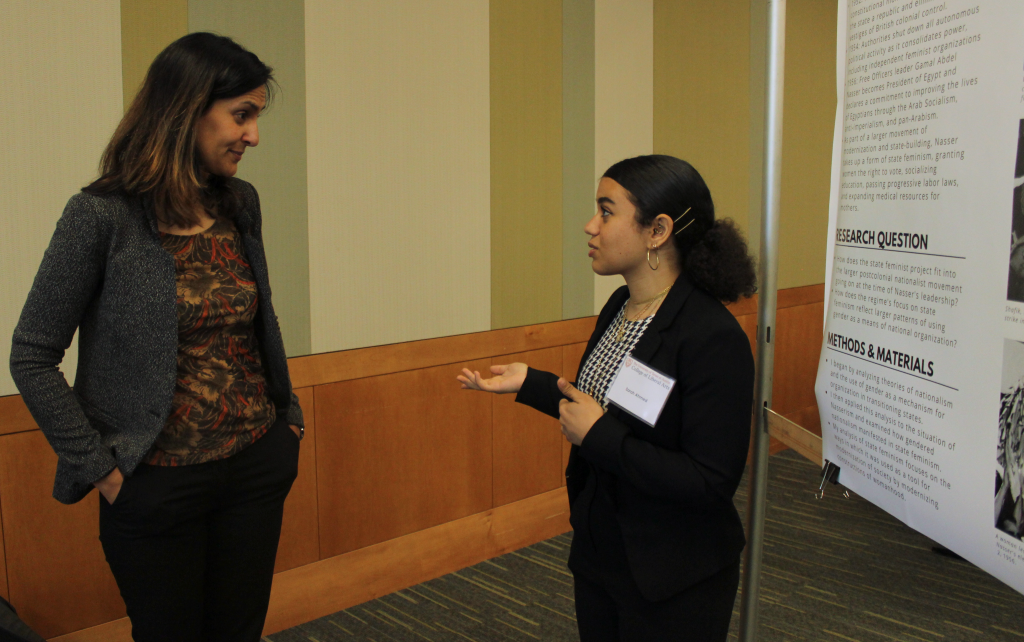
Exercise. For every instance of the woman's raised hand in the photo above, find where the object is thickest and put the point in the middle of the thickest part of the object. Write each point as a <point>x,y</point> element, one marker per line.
<point>508,378</point>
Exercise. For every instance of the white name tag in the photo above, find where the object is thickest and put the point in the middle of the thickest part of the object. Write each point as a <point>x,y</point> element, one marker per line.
<point>640,390</point>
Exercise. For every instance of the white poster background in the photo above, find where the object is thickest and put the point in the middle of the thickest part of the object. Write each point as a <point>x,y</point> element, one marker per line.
<point>911,366</point>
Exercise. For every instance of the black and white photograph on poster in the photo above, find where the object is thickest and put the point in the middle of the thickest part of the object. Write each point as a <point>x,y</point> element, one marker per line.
<point>1009,505</point>
<point>1015,285</point>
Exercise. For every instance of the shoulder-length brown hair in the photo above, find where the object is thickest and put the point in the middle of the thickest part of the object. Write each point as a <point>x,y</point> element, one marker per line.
<point>153,151</point>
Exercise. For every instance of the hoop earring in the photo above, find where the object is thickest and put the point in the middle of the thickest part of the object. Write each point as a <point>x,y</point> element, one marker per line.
<point>657,262</point>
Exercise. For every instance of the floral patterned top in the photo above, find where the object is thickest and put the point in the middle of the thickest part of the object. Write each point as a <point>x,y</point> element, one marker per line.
<point>220,403</point>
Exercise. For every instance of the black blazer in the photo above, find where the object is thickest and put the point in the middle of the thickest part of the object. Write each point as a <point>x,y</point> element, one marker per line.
<point>675,481</point>
<point>106,274</point>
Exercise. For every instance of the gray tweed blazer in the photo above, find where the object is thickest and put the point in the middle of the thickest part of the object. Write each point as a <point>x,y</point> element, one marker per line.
<point>106,274</point>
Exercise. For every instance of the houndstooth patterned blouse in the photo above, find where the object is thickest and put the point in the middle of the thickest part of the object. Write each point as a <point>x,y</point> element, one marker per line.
<point>602,364</point>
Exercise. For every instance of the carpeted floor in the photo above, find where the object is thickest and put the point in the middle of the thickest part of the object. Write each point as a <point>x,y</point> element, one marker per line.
<point>835,569</point>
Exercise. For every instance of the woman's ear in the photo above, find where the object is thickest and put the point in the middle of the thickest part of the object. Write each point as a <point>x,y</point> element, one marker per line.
<point>661,230</point>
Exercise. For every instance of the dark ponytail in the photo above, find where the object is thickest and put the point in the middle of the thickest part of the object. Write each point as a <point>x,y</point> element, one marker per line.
<point>712,253</point>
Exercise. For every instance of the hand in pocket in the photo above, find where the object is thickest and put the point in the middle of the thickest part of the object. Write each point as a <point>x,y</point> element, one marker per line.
<point>110,486</point>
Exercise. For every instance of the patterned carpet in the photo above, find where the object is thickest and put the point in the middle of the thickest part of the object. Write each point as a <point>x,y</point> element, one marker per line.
<point>837,570</point>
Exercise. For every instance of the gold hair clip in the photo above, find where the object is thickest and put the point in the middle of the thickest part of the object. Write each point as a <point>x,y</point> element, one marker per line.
<point>681,216</point>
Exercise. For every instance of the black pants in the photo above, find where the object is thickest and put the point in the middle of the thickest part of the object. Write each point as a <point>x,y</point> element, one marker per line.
<point>193,547</point>
<point>616,612</point>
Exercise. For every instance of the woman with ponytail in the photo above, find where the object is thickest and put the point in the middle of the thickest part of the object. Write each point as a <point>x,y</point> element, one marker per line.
<point>656,539</point>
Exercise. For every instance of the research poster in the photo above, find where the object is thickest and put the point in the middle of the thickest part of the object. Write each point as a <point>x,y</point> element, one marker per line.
<point>921,380</point>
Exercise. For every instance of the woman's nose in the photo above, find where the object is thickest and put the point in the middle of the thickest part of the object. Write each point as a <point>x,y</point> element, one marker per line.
<point>252,135</point>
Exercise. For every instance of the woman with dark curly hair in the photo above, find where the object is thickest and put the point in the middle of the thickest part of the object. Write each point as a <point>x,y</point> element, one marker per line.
<point>182,414</point>
<point>656,539</point>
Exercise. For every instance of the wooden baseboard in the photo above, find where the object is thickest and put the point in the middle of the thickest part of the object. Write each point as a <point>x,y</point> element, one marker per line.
<point>116,631</point>
<point>315,590</point>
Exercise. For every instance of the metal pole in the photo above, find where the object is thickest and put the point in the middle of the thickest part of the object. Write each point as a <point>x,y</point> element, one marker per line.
<point>767,290</point>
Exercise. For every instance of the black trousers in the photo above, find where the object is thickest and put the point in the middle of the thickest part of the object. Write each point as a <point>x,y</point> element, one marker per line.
<point>616,612</point>
<point>193,547</point>
<point>609,605</point>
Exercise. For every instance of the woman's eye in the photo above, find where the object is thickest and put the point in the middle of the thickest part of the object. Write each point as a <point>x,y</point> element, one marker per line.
<point>240,117</point>
<point>605,213</point>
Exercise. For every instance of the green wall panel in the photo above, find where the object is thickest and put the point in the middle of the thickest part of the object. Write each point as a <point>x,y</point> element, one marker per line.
<point>526,161</point>
<point>275,31</point>
<point>578,181</point>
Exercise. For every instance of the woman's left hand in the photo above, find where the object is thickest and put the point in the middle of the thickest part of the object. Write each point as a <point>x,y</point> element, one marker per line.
<point>578,413</point>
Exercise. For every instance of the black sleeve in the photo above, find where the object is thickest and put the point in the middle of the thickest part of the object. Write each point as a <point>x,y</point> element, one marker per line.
<point>540,392</point>
<point>716,385</point>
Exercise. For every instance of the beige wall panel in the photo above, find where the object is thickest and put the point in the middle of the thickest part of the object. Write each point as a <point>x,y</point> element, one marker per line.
<point>701,94</point>
<point>57,575</point>
<point>808,121</point>
<point>147,26</point>
<point>624,95</point>
<point>275,31</point>
<point>62,99</point>
<point>397,113</point>
<point>526,162</point>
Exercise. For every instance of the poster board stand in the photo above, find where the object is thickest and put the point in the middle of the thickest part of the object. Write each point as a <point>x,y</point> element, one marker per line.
<point>766,308</point>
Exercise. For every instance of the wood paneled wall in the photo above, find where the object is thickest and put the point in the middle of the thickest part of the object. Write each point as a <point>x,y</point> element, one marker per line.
<point>400,453</point>
<point>57,575</point>
<point>403,476</point>
<point>3,564</point>
<point>799,327</point>
<point>301,530</point>
<point>527,446</point>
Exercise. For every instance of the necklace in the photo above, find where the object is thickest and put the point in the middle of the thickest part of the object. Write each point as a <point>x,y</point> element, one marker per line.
<point>620,332</point>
